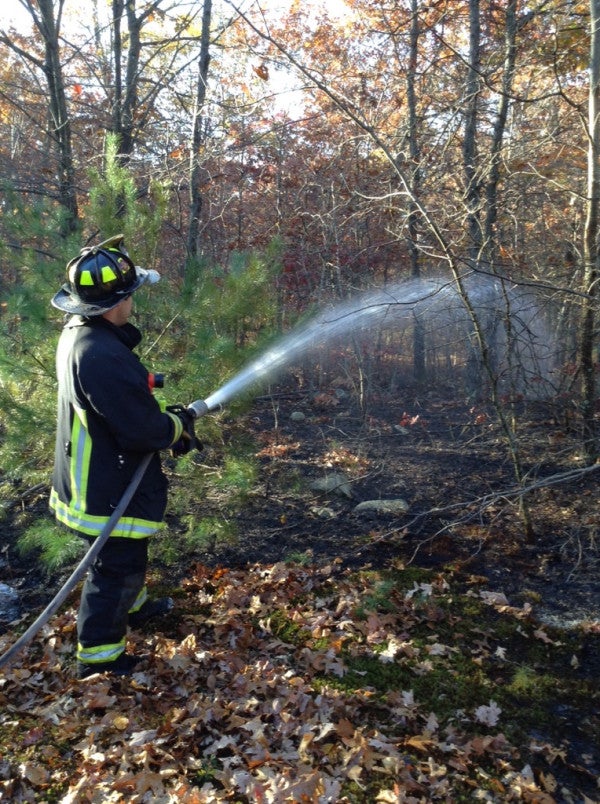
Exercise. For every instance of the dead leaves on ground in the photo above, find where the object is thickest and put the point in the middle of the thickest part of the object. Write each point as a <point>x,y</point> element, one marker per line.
<point>246,702</point>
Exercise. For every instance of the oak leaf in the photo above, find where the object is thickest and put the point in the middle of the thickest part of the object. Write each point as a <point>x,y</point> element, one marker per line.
<point>262,71</point>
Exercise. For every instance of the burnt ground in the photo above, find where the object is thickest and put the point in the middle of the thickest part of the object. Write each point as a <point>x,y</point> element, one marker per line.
<point>447,460</point>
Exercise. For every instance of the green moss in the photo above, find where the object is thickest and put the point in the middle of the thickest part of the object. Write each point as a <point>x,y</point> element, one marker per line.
<point>379,599</point>
<point>286,630</point>
<point>528,683</point>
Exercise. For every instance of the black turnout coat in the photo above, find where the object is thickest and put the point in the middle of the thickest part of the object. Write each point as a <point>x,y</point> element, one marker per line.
<point>108,420</point>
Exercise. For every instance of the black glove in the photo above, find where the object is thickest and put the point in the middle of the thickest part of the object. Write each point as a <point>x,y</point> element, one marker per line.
<point>188,440</point>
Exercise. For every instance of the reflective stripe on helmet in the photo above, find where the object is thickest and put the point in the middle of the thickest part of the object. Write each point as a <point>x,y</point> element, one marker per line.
<point>108,275</point>
<point>86,279</point>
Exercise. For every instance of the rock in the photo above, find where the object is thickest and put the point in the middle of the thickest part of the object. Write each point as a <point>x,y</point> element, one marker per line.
<point>297,416</point>
<point>9,603</point>
<point>398,506</point>
<point>323,512</point>
<point>333,483</point>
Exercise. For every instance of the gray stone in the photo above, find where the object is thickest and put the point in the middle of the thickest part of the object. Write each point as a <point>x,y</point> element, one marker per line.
<point>9,603</point>
<point>333,483</point>
<point>398,506</point>
<point>323,512</point>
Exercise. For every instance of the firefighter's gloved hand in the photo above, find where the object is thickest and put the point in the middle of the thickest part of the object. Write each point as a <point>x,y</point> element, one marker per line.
<point>188,440</point>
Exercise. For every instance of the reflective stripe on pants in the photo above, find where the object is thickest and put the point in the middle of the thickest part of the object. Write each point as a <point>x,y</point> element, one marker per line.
<point>114,584</point>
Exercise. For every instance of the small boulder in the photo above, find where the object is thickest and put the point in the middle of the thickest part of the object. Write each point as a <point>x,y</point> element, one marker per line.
<point>333,483</point>
<point>397,506</point>
<point>9,603</point>
<point>323,512</point>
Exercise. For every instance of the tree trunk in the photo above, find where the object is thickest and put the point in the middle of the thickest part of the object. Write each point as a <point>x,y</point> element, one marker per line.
<point>491,190</point>
<point>126,100</point>
<point>118,7</point>
<point>130,97</point>
<point>59,124</point>
<point>472,91</point>
<point>590,246</point>
<point>198,135</point>
<point>415,182</point>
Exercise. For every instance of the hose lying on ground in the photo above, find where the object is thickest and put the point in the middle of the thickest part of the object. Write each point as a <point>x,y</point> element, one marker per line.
<point>82,567</point>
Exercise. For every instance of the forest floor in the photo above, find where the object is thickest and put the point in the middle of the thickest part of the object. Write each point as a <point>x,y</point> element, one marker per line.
<point>449,462</point>
<point>451,595</point>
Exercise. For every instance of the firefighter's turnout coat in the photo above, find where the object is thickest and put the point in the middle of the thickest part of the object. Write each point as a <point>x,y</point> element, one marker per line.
<point>108,420</point>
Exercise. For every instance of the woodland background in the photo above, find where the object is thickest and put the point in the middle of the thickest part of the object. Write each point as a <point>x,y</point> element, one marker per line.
<point>272,160</point>
<point>431,169</point>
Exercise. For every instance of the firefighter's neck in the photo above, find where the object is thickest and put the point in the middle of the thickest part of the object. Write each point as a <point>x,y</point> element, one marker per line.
<point>119,315</point>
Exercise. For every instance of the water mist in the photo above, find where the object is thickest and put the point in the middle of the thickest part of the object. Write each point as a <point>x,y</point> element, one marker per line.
<point>435,303</point>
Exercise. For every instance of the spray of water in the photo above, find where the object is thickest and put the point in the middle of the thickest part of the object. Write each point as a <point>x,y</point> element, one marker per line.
<point>435,302</point>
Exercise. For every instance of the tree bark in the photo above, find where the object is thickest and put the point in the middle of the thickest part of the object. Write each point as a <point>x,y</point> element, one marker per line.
<point>415,186</point>
<point>491,189</point>
<point>590,246</point>
<point>472,91</point>
<point>195,209</point>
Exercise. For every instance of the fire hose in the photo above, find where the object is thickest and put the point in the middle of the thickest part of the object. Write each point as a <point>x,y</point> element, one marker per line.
<point>197,409</point>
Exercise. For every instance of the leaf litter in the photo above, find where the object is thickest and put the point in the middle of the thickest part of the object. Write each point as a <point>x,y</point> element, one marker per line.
<point>293,683</point>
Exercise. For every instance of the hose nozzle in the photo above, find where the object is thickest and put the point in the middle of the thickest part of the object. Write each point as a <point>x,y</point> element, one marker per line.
<point>198,408</point>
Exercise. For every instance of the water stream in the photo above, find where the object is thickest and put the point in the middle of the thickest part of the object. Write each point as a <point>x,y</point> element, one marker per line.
<point>434,302</point>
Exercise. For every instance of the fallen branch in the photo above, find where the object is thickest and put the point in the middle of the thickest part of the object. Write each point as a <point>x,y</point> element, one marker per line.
<point>24,495</point>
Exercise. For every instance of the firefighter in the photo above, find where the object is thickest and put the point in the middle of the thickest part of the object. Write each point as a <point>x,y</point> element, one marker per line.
<point>107,421</point>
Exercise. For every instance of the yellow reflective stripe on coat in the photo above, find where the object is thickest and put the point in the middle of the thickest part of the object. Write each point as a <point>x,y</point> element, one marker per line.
<point>127,527</point>
<point>100,653</point>
<point>81,451</point>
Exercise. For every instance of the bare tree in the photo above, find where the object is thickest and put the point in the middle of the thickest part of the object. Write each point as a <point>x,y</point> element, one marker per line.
<point>415,183</point>
<point>471,105</point>
<point>47,16</point>
<point>126,90</point>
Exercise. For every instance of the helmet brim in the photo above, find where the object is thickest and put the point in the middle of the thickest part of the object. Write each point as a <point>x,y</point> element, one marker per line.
<point>68,302</point>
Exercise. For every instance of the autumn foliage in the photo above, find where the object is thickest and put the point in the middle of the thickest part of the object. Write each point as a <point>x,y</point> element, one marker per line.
<point>289,683</point>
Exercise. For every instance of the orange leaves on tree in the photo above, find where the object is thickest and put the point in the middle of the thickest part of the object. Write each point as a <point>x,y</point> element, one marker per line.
<point>262,71</point>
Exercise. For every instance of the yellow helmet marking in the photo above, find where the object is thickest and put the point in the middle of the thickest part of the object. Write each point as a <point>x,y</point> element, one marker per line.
<point>108,275</point>
<point>86,278</point>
